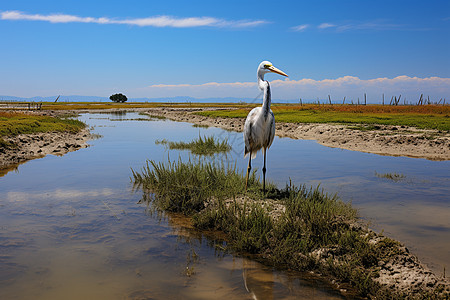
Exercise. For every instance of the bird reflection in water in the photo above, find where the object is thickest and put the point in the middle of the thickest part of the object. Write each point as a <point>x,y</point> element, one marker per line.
<point>258,281</point>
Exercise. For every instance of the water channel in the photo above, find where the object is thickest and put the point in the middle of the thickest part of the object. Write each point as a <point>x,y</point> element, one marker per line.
<point>72,227</point>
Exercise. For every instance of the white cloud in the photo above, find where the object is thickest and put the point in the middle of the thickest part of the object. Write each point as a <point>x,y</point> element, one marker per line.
<point>371,25</point>
<point>326,25</point>
<point>300,27</point>
<point>350,87</point>
<point>156,21</point>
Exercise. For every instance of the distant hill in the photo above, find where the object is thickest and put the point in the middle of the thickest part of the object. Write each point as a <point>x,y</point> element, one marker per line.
<point>178,99</point>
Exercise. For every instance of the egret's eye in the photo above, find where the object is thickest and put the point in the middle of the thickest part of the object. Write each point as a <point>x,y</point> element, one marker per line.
<point>266,66</point>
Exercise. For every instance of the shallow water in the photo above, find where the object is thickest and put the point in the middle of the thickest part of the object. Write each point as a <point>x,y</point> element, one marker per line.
<point>71,226</point>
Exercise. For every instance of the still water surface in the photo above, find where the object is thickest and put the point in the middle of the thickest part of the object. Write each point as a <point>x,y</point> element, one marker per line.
<point>71,226</point>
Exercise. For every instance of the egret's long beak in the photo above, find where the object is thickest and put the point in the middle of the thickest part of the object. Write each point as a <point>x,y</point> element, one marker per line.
<point>278,71</point>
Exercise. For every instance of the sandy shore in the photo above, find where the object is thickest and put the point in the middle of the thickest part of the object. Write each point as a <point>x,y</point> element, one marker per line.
<point>385,140</point>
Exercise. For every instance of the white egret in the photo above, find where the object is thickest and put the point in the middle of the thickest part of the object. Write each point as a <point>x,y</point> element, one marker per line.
<point>259,127</point>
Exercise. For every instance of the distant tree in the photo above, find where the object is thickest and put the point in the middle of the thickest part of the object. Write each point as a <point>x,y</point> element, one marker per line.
<point>118,98</point>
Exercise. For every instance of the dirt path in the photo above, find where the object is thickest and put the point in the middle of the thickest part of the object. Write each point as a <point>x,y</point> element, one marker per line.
<point>383,140</point>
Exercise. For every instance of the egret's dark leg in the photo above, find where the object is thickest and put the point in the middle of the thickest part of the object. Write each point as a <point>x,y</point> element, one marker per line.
<point>264,173</point>
<point>248,170</point>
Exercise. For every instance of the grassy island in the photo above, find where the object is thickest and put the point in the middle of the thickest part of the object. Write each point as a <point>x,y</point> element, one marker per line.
<point>298,228</point>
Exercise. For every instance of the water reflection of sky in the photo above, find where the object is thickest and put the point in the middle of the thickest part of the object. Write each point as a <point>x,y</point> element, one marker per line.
<point>73,221</point>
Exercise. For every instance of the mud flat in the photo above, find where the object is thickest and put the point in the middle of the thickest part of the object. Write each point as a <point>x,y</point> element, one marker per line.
<point>383,140</point>
<point>31,146</point>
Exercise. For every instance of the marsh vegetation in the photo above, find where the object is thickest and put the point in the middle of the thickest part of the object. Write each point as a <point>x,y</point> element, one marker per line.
<point>295,227</point>
<point>424,117</point>
<point>206,145</point>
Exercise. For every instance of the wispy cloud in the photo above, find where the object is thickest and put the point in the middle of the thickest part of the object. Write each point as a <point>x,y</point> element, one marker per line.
<point>349,26</point>
<point>326,25</point>
<point>348,86</point>
<point>370,26</point>
<point>155,21</point>
<point>300,27</point>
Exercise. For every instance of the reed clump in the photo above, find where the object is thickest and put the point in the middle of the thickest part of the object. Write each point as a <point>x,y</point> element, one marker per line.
<point>206,145</point>
<point>185,187</point>
<point>296,227</point>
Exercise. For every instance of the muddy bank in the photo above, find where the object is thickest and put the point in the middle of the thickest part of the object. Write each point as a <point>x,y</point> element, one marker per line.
<point>381,139</point>
<point>31,146</point>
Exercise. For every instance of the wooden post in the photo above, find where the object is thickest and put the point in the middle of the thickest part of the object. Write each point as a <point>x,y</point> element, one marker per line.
<point>365,99</point>
<point>329,99</point>
<point>343,101</point>
<point>383,98</point>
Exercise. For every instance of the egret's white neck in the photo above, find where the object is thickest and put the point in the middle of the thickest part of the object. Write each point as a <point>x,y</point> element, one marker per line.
<point>265,87</point>
<point>261,82</point>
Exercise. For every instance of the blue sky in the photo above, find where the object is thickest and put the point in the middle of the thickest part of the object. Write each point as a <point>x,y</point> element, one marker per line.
<point>211,49</point>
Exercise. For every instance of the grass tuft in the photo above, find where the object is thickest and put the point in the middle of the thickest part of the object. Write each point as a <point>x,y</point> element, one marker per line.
<point>185,187</point>
<point>201,146</point>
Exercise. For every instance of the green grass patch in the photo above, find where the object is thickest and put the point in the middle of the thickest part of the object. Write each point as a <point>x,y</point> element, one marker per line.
<point>207,145</point>
<point>13,124</point>
<point>296,227</point>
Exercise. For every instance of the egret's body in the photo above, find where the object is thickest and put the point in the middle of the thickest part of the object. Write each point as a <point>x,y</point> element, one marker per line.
<point>259,127</point>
